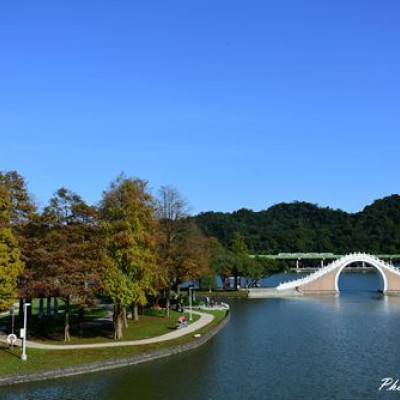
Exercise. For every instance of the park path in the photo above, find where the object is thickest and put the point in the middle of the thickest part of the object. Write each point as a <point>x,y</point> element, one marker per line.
<point>204,320</point>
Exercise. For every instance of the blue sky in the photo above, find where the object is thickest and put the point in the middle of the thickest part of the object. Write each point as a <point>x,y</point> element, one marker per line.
<point>236,103</point>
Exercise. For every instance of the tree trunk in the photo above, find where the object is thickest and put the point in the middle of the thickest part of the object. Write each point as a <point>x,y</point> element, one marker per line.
<point>236,281</point>
<point>135,312</point>
<point>167,303</point>
<point>124,318</point>
<point>55,310</point>
<point>48,306</point>
<point>178,289</point>
<point>80,321</point>
<point>117,322</point>
<point>67,336</point>
<point>21,309</point>
<point>41,306</point>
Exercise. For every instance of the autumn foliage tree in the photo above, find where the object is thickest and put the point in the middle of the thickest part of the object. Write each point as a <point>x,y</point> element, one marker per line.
<point>182,247</point>
<point>64,254</point>
<point>76,252</point>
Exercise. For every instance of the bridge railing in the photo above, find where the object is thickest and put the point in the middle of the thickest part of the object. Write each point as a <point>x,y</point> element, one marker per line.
<point>309,278</point>
<point>335,264</point>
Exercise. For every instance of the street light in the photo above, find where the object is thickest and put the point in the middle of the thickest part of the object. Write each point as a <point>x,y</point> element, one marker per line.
<point>12,318</point>
<point>23,332</point>
<point>190,302</point>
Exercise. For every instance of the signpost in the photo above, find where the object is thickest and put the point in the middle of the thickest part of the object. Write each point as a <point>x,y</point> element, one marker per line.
<point>11,339</point>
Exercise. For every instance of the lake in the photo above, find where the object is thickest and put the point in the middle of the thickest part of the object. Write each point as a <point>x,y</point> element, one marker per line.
<point>296,348</point>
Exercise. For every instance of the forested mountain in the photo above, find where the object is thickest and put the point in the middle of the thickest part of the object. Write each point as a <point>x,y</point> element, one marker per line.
<point>306,227</point>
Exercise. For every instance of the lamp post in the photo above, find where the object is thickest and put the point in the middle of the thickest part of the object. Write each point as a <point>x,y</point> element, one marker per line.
<point>190,302</point>
<point>24,357</point>
<point>12,318</point>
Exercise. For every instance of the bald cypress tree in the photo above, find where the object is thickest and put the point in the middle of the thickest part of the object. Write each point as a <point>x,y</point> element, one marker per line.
<point>10,258</point>
<point>127,213</point>
<point>71,252</point>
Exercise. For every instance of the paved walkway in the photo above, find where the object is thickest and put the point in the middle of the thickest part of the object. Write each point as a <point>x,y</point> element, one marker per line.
<point>204,320</point>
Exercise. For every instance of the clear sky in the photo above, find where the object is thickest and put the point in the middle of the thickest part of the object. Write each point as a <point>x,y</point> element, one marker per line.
<point>236,103</point>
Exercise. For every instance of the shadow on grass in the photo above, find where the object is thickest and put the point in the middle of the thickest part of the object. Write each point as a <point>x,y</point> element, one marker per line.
<point>51,328</point>
<point>13,353</point>
<point>99,330</point>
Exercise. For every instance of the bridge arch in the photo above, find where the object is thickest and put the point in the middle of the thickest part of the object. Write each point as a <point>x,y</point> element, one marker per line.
<point>381,273</point>
<point>326,279</point>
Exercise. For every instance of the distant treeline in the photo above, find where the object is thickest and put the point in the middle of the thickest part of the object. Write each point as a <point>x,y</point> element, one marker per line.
<point>306,227</point>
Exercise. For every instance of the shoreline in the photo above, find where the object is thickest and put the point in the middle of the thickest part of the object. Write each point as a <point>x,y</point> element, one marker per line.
<point>11,380</point>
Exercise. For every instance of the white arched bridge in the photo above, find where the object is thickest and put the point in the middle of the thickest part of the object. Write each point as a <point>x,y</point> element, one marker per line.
<point>326,279</point>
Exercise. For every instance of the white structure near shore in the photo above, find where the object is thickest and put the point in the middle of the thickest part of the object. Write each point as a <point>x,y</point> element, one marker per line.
<point>326,280</point>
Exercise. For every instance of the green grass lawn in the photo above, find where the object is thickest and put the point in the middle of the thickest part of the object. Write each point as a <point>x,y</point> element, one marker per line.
<point>148,326</point>
<point>42,360</point>
<point>50,330</point>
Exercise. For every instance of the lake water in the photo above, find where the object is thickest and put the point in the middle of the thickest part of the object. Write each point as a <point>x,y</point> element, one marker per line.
<point>300,348</point>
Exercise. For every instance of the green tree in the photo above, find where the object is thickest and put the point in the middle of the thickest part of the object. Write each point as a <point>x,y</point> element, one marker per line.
<point>220,259</point>
<point>127,213</point>
<point>241,260</point>
<point>263,267</point>
<point>21,204</point>
<point>10,258</point>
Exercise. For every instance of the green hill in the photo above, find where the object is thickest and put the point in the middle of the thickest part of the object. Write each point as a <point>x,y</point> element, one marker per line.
<point>306,227</point>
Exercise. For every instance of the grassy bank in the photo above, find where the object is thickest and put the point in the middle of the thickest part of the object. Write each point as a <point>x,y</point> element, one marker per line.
<point>44,360</point>
<point>95,329</point>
